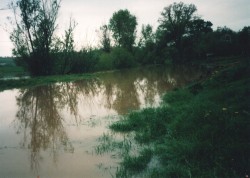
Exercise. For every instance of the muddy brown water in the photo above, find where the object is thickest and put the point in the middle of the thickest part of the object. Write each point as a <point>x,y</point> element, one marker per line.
<point>51,131</point>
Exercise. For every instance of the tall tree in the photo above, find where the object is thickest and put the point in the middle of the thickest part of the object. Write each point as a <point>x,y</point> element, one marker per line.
<point>196,44</point>
<point>63,50</point>
<point>105,38</point>
<point>199,26</point>
<point>244,40</point>
<point>34,26</point>
<point>147,35</point>
<point>146,51</point>
<point>174,24</point>
<point>123,27</point>
<point>225,42</point>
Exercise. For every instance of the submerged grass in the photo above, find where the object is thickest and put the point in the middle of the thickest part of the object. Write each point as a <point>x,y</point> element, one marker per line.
<point>199,131</point>
<point>134,164</point>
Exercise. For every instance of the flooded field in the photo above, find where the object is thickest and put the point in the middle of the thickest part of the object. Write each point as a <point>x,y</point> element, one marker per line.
<point>52,131</point>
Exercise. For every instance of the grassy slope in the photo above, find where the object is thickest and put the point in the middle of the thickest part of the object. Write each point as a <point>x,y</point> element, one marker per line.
<point>199,131</point>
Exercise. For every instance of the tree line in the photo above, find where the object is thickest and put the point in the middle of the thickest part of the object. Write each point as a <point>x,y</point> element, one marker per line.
<point>182,36</point>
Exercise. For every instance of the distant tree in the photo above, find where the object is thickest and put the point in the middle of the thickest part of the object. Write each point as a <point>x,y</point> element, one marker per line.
<point>33,29</point>
<point>123,27</point>
<point>244,40</point>
<point>174,25</point>
<point>105,38</point>
<point>198,27</point>
<point>195,42</point>
<point>63,50</point>
<point>225,42</point>
<point>147,35</point>
<point>145,52</point>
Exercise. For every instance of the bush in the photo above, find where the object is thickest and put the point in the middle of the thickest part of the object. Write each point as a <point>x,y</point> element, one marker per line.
<point>122,58</point>
<point>85,61</point>
<point>106,62</point>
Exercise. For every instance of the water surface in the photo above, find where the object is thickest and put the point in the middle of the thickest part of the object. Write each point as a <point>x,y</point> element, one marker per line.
<point>51,131</point>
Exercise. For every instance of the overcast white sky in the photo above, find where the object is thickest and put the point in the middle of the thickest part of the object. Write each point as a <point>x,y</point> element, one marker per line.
<point>91,14</point>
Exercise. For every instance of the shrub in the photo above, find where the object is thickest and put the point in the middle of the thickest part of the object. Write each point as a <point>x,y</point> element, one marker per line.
<point>106,62</point>
<point>122,58</point>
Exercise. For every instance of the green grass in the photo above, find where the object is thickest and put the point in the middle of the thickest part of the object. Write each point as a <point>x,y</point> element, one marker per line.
<point>134,164</point>
<point>199,131</point>
<point>11,71</point>
<point>138,163</point>
<point>8,68</point>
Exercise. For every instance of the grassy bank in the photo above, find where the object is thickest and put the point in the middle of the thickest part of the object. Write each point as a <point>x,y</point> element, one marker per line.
<point>8,68</point>
<point>199,131</point>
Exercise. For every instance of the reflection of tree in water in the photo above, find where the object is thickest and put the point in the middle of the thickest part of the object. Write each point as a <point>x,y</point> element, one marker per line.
<point>39,113</point>
<point>120,91</point>
<point>130,89</point>
<point>126,96</point>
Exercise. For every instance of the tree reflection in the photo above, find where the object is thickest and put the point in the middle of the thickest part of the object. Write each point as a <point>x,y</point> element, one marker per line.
<point>126,95</point>
<point>136,88</point>
<point>39,113</point>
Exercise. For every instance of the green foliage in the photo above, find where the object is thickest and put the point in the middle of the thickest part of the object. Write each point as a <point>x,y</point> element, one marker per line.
<point>137,163</point>
<point>123,27</point>
<point>180,37</point>
<point>174,96</point>
<point>199,26</point>
<point>11,71</point>
<point>63,51</point>
<point>195,45</point>
<point>244,41</point>
<point>174,24</point>
<point>145,52</point>
<point>85,61</point>
<point>224,42</point>
<point>122,58</point>
<point>8,68</point>
<point>32,34</point>
<point>147,36</point>
<point>132,165</point>
<point>105,39</point>
<point>7,61</point>
<point>106,62</point>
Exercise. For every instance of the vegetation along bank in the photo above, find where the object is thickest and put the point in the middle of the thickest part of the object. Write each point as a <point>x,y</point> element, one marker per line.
<point>182,36</point>
<point>198,131</point>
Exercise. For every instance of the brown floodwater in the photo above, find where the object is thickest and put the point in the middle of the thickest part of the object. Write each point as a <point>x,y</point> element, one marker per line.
<point>52,131</point>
